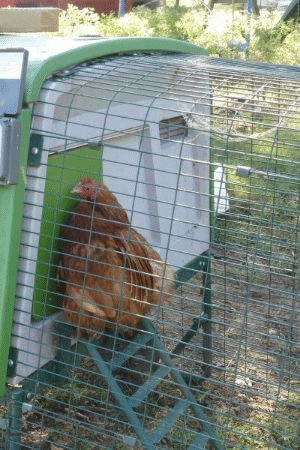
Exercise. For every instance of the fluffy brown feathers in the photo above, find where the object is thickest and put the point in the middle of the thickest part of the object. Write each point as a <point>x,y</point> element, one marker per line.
<point>111,273</point>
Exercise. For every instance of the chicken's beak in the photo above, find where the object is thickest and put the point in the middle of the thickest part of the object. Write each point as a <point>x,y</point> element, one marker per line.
<point>75,190</point>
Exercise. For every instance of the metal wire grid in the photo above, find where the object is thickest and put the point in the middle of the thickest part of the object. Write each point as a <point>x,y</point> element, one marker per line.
<point>251,119</point>
<point>256,244</point>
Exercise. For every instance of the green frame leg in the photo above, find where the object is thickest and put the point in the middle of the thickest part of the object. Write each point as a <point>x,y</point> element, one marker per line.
<point>15,398</point>
<point>203,320</point>
<point>58,371</point>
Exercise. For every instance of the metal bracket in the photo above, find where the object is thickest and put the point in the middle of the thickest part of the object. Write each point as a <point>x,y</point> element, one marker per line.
<point>27,407</point>
<point>35,150</point>
<point>67,72</point>
<point>189,270</point>
<point>12,362</point>
<point>4,423</point>
<point>95,145</point>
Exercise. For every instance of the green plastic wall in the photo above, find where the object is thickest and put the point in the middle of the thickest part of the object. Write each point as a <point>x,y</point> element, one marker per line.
<point>11,211</point>
<point>63,171</point>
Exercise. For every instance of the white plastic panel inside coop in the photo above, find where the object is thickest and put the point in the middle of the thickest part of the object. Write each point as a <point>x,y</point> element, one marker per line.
<point>151,155</point>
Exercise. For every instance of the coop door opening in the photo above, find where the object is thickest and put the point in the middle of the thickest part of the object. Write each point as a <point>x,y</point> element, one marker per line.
<point>64,170</point>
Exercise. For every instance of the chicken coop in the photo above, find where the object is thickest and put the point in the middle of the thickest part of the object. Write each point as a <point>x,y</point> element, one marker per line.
<point>201,158</point>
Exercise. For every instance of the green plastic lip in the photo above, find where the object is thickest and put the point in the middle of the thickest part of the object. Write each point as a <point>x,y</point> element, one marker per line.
<point>90,49</point>
<point>49,54</point>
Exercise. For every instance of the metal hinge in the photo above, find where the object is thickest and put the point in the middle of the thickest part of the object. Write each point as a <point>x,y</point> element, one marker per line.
<point>68,72</point>
<point>35,150</point>
<point>12,362</point>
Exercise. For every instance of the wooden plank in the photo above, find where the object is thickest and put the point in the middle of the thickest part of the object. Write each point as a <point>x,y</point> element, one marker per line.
<point>28,20</point>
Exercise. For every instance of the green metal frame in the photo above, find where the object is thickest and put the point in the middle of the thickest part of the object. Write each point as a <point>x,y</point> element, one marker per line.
<point>58,372</point>
<point>204,319</point>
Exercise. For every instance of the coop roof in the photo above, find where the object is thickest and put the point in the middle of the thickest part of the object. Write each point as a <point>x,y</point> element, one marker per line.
<point>49,54</point>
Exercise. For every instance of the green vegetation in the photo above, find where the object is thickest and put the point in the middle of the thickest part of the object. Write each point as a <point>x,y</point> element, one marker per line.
<point>250,421</point>
<point>211,31</point>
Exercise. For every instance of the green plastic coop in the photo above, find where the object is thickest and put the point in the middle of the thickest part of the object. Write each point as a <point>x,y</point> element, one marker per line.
<point>119,111</point>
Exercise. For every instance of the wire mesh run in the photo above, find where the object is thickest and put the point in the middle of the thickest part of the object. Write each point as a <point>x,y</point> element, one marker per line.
<point>202,154</point>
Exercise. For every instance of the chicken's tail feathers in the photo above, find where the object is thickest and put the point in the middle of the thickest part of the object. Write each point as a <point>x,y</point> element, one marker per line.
<point>170,280</point>
<point>164,278</point>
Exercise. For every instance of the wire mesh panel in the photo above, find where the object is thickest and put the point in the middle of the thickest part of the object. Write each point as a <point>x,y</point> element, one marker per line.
<point>255,246</point>
<point>114,348</point>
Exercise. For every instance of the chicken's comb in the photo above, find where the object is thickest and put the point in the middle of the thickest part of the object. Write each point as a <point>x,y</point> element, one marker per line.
<point>86,181</point>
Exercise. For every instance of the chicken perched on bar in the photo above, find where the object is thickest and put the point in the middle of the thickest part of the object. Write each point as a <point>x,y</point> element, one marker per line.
<point>112,275</point>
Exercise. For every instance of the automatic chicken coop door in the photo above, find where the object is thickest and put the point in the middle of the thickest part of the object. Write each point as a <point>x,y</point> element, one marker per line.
<point>126,121</point>
<point>12,76</point>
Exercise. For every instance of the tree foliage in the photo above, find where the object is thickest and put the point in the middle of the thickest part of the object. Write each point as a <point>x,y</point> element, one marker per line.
<point>270,41</point>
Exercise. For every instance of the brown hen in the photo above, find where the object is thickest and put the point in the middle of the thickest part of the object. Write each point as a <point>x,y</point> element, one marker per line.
<point>112,275</point>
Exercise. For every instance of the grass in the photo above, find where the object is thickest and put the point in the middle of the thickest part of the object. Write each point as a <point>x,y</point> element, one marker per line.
<point>267,201</point>
<point>260,427</point>
<point>250,421</point>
